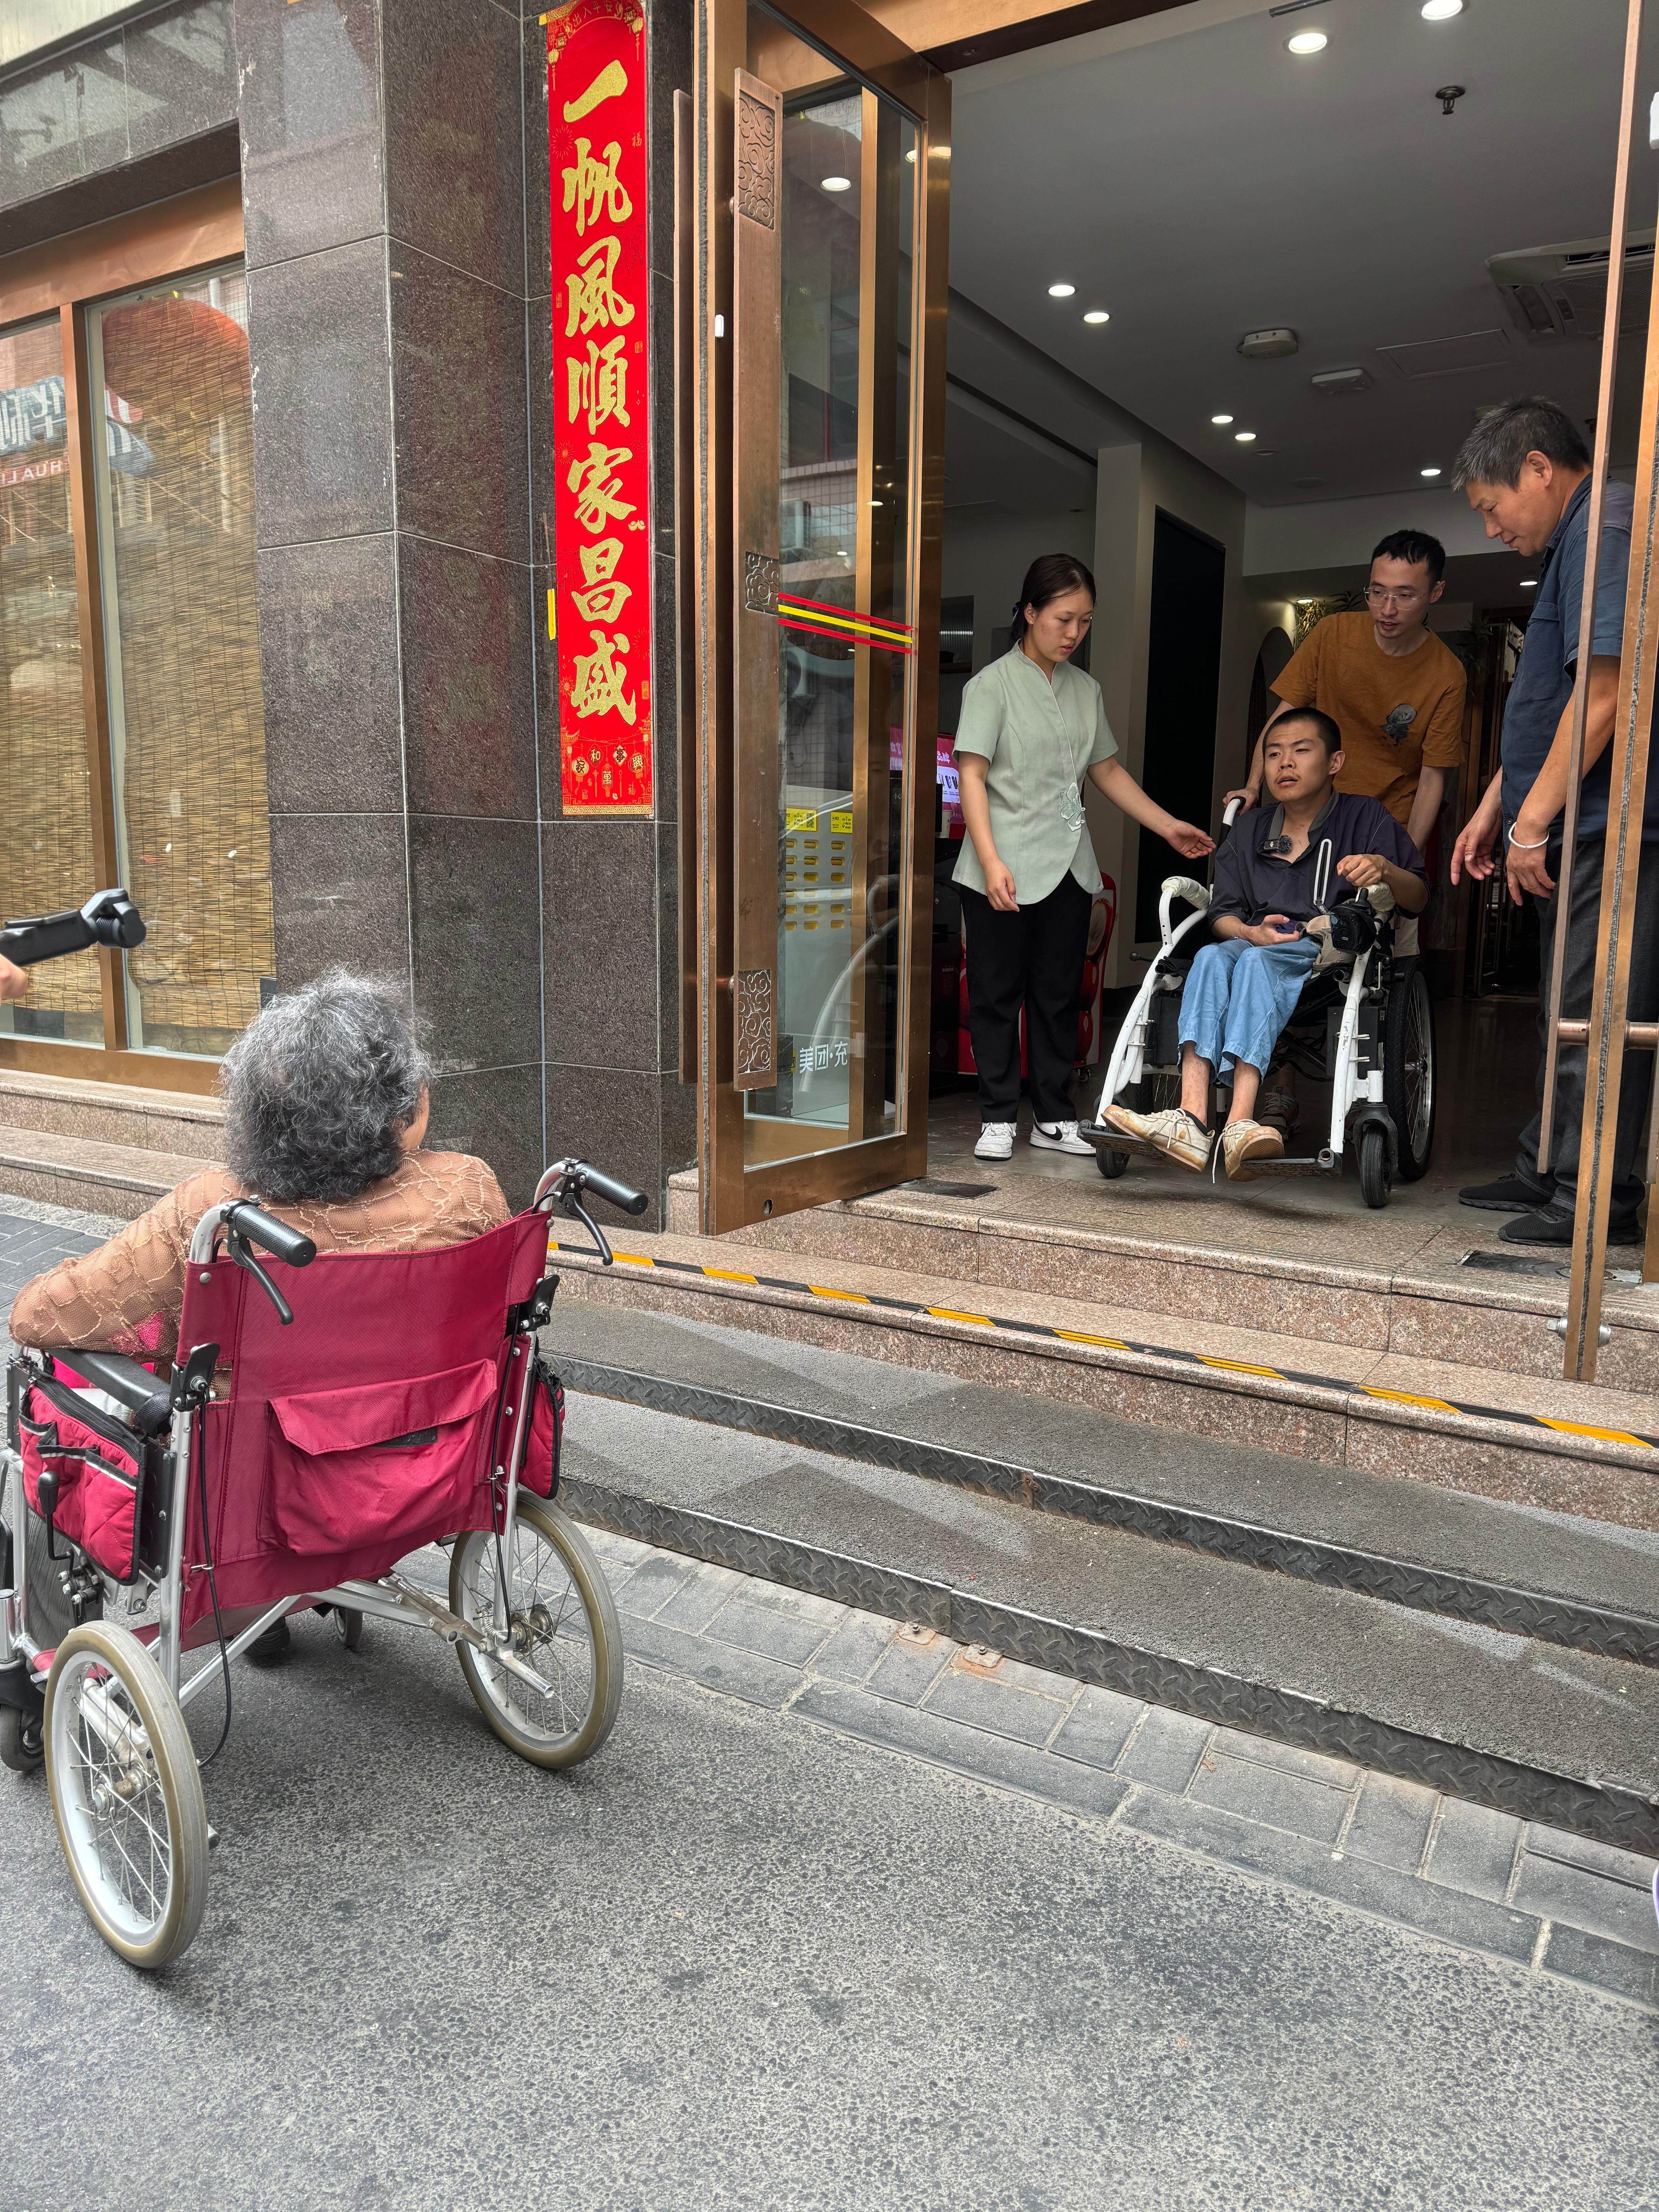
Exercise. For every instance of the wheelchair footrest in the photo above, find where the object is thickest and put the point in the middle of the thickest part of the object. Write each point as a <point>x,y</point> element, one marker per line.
<point>1108,1139</point>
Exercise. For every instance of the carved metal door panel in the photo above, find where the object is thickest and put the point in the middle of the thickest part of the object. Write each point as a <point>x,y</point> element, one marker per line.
<point>812,376</point>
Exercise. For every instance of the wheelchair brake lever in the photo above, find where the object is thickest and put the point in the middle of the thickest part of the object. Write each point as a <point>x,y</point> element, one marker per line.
<point>573,1204</point>
<point>241,1253</point>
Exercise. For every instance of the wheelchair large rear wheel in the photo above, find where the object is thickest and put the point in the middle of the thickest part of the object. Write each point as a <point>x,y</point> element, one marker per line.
<point>1408,1075</point>
<point>564,1625</point>
<point>126,1793</point>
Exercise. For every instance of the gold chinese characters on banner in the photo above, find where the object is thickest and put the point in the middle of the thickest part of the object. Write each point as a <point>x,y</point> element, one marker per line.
<point>600,614</point>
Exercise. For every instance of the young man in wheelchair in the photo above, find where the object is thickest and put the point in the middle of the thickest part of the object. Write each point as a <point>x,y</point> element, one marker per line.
<point>1286,863</point>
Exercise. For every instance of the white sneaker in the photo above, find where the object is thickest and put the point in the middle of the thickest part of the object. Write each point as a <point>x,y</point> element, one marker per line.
<point>1061,1137</point>
<point>1174,1132</point>
<point>996,1142</point>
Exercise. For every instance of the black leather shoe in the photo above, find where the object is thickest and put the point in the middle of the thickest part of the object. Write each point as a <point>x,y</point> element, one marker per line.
<point>1509,1195</point>
<point>271,1645</point>
<point>1548,1226</point>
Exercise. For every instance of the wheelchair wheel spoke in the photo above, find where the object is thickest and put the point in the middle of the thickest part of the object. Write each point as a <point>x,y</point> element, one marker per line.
<point>550,1621</point>
<point>126,1793</point>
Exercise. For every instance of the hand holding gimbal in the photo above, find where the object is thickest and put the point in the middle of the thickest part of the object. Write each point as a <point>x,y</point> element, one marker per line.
<point>107,918</point>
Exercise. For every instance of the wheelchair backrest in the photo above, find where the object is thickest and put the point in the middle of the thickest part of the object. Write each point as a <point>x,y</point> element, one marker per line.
<point>363,1317</point>
<point>365,1426</point>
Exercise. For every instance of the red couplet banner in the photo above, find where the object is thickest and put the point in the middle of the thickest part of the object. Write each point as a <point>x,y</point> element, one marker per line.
<point>601,612</point>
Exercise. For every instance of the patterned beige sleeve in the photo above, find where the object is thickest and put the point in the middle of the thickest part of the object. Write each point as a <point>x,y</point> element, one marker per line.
<point>103,1300</point>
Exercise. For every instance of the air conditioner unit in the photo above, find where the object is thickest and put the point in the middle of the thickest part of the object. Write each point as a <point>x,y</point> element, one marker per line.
<point>1555,292</point>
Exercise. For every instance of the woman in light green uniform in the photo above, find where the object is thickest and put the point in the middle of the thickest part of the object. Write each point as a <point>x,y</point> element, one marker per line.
<point>1031,728</point>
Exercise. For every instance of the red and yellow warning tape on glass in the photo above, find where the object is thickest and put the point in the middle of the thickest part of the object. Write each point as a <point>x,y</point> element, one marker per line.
<point>817,615</point>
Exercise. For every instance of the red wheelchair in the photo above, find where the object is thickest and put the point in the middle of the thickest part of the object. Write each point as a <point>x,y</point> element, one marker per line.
<point>296,1455</point>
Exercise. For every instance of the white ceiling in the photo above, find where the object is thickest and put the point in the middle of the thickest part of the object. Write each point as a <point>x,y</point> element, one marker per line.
<point>992,461</point>
<point>1187,173</point>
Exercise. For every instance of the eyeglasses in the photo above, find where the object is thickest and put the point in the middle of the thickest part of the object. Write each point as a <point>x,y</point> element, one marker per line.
<point>1380,596</point>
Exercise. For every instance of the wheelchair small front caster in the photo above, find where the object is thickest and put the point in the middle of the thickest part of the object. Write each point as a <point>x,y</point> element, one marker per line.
<point>348,1625</point>
<point>1111,1165</point>
<point>1375,1180</point>
<point>23,1744</point>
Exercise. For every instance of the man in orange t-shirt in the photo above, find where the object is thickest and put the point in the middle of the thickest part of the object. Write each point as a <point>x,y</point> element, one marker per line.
<point>1391,688</point>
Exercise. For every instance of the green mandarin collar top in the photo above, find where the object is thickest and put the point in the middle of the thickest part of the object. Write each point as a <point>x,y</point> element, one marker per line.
<point>1040,738</point>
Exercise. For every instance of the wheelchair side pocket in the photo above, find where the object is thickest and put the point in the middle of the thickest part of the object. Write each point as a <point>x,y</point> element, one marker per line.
<point>99,1469</point>
<point>379,1463</point>
<point>540,1473</point>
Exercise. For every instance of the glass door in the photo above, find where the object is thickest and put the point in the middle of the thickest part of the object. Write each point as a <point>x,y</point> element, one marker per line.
<point>822,378</point>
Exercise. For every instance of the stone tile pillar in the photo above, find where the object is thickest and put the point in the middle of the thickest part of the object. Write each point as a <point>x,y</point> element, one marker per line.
<point>395,189</point>
<point>383,188</point>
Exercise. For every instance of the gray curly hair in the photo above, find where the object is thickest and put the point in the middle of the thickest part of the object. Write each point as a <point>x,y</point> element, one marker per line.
<point>318,1087</point>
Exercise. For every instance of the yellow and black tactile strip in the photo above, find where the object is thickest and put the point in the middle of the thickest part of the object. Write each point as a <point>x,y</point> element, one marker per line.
<point>1210,1360</point>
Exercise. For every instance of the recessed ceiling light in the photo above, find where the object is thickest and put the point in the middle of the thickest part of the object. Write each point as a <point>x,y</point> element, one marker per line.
<point>1061,291</point>
<point>1221,421</point>
<point>1096,315</point>
<point>1244,437</point>
<point>1441,11</point>
<point>1428,472</point>
<point>1529,583</point>
<point>838,184</point>
<point>1307,42</point>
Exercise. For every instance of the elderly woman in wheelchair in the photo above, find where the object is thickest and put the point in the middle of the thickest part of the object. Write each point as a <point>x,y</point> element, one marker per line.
<point>1272,914</point>
<point>189,1457</point>
<point>327,1098</point>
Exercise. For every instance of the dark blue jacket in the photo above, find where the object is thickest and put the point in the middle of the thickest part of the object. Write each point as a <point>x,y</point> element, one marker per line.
<point>1253,883</point>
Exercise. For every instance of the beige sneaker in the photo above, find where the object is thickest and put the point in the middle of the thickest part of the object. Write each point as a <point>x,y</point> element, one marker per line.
<point>1174,1132</point>
<point>1244,1143</point>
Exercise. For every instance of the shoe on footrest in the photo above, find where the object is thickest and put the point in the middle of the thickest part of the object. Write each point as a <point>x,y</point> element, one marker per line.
<point>1061,1137</point>
<point>996,1142</point>
<point>1245,1143</point>
<point>1174,1132</point>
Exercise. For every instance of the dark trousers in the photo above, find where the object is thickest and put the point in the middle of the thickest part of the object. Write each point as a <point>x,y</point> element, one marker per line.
<point>1032,959</point>
<point>1580,899</point>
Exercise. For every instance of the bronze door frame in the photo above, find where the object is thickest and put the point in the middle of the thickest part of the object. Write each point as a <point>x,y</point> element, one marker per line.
<point>722,600</point>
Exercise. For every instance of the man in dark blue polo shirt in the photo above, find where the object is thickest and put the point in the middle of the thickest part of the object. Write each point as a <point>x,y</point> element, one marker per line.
<point>1527,470</point>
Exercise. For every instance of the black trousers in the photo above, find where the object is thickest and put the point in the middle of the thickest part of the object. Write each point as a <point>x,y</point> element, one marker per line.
<point>1580,898</point>
<point>1033,959</point>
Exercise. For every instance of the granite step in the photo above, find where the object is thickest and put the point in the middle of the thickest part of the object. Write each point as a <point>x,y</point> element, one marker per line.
<point>1389,1282</point>
<point>1553,1578</point>
<point>1549,1734</point>
<point>89,1174</point>
<point>1568,1448</point>
<point>176,1122</point>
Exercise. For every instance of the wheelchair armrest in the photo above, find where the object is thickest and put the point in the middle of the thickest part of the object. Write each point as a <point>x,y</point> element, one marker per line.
<point>1184,887</point>
<point>145,1395</point>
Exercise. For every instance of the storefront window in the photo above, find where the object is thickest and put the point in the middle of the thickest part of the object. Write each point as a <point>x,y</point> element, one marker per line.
<point>45,828</point>
<point>174,498</point>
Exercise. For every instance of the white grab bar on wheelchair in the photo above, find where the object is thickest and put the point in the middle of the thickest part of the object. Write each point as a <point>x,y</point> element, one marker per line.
<point>1126,1065</point>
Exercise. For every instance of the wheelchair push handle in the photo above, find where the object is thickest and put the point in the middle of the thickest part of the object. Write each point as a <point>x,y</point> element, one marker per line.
<point>566,1183</point>
<point>259,1227</point>
<point>107,918</point>
<point>620,1195</point>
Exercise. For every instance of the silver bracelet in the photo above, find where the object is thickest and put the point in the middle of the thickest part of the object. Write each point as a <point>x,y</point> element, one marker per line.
<point>1521,844</point>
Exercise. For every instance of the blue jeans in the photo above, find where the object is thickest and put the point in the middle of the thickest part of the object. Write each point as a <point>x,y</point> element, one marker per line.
<point>1239,997</point>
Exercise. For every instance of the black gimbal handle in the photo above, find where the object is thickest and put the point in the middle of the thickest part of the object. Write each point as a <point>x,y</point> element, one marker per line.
<point>107,918</point>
